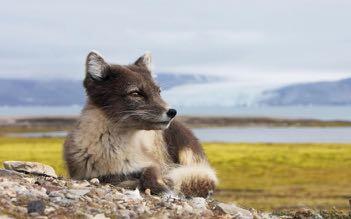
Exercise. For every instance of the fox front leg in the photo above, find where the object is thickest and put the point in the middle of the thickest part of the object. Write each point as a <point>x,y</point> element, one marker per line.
<point>151,178</point>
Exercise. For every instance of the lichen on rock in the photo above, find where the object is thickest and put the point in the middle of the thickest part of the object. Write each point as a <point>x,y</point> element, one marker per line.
<point>30,167</point>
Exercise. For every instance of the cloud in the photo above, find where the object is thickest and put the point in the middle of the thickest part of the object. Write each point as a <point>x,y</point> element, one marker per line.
<point>285,41</point>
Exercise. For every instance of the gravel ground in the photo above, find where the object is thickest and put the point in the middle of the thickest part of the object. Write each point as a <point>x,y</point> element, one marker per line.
<point>26,195</point>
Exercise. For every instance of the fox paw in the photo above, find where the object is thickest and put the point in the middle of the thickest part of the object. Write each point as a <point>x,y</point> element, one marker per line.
<point>156,188</point>
<point>150,179</point>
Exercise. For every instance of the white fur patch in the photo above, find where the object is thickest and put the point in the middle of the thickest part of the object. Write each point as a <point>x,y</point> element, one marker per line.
<point>95,65</point>
<point>109,147</point>
<point>185,173</point>
<point>187,156</point>
<point>147,61</point>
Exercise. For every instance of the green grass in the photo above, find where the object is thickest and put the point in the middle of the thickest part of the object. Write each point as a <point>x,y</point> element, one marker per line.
<point>262,176</point>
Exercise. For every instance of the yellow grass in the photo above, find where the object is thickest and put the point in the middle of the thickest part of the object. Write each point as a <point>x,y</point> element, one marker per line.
<point>273,176</point>
<point>263,176</point>
<point>43,150</point>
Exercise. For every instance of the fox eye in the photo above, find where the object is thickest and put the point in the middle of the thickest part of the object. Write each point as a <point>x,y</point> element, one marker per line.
<point>135,94</point>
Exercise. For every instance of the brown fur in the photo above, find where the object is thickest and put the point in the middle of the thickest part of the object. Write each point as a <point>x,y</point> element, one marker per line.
<point>125,133</point>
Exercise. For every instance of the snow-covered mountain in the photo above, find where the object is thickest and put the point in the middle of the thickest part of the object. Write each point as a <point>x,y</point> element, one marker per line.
<point>21,92</point>
<point>318,93</point>
<point>189,90</point>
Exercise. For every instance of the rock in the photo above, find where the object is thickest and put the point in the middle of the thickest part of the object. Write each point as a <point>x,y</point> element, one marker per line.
<point>100,216</point>
<point>49,210</point>
<point>82,215</point>
<point>36,207</point>
<point>125,214</point>
<point>170,196</point>
<point>95,181</point>
<point>304,213</point>
<point>133,194</point>
<point>30,167</point>
<point>76,193</point>
<point>66,198</point>
<point>234,211</point>
<point>82,184</point>
<point>187,208</point>
<point>198,203</point>
<point>98,191</point>
<point>139,209</point>
<point>10,174</point>
<point>56,194</point>
<point>147,192</point>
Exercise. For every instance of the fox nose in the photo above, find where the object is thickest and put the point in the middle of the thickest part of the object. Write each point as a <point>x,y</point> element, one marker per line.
<point>171,113</point>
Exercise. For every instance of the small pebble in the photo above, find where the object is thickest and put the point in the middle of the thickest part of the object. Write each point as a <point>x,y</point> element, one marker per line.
<point>82,184</point>
<point>95,181</point>
<point>198,203</point>
<point>36,207</point>
<point>100,216</point>
<point>147,192</point>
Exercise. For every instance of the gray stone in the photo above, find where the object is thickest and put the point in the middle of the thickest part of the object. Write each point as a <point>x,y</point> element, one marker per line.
<point>234,211</point>
<point>10,174</point>
<point>49,210</point>
<point>82,215</point>
<point>125,214</point>
<point>76,193</point>
<point>80,184</point>
<point>19,196</point>
<point>56,194</point>
<point>95,181</point>
<point>36,207</point>
<point>187,208</point>
<point>30,167</point>
<point>100,216</point>
<point>133,194</point>
<point>148,192</point>
<point>198,203</point>
<point>170,196</point>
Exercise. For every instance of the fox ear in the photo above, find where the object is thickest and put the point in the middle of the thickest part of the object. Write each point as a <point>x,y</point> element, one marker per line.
<point>96,66</point>
<point>145,61</point>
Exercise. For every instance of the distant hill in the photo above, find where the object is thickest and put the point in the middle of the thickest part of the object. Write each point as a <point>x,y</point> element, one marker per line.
<point>20,92</point>
<point>318,93</point>
<point>167,81</point>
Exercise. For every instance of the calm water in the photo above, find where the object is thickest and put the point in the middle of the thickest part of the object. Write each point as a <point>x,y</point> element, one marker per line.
<point>324,112</point>
<point>276,135</point>
<point>292,112</point>
<point>341,135</point>
<point>39,110</point>
<point>271,135</point>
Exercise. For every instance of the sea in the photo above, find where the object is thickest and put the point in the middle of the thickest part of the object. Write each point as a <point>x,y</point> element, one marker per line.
<point>234,134</point>
<point>292,112</point>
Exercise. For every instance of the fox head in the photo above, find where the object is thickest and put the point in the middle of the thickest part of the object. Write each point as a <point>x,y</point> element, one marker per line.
<point>127,94</point>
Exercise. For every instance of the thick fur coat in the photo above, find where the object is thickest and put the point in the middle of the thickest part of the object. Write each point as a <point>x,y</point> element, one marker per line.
<point>126,132</point>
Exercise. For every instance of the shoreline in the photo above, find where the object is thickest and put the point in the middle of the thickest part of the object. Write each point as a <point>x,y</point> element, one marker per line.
<point>65,123</point>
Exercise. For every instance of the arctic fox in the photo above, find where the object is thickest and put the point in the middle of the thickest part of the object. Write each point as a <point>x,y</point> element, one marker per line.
<point>127,132</point>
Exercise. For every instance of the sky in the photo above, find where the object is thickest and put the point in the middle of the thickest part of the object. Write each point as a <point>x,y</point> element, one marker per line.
<point>249,42</point>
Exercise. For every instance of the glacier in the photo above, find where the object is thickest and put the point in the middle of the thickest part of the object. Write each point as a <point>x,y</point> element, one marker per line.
<point>221,94</point>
